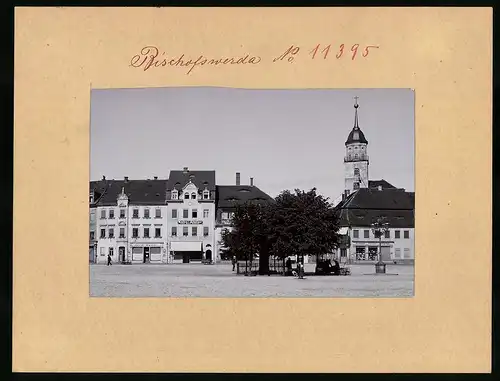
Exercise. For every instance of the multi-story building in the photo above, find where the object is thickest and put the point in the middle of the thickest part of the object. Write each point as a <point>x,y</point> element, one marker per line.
<point>174,220</point>
<point>228,197</point>
<point>191,215</point>
<point>130,220</point>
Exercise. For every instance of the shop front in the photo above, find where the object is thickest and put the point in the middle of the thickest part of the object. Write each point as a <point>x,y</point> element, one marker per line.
<point>186,252</point>
<point>147,254</point>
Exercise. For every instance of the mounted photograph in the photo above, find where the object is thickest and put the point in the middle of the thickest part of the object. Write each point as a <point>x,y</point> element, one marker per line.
<point>234,193</point>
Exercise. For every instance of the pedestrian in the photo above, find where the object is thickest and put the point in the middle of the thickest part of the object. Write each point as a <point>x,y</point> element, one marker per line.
<point>233,260</point>
<point>109,260</point>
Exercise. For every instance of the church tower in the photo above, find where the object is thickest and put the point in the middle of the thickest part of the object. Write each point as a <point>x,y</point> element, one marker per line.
<point>356,157</point>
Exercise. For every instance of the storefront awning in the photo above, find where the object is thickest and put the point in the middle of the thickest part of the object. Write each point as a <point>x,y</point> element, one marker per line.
<point>185,246</point>
<point>343,230</point>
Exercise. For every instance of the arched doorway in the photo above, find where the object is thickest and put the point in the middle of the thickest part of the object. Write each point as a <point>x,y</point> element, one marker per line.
<point>208,255</point>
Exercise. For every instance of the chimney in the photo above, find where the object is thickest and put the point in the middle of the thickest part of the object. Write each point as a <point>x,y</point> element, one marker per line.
<point>186,170</point>
<point>237,178</point>
<point>126,179</point>
<point>251,181</point>
<point>103,177</point>
<point>156,177</point>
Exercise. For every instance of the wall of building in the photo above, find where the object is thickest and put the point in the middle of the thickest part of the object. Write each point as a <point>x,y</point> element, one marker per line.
<point>398,248</point>
<point>351,162</point>
<point>203,221</point>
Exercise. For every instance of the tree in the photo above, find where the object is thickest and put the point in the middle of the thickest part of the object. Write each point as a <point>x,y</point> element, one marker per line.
<point>245,239</point>
<point>303,223</point>
<point>298,223</point>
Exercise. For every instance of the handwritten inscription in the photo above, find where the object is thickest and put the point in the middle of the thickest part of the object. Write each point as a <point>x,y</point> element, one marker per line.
<point>322,51</point>
<point>151,57</point>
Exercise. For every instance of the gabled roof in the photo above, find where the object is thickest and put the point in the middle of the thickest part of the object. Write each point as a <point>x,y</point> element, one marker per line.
<point>139,192</point>
<point>376,183</point>
<point>364,206</point>
<point>228,196</point>
<point>201,179</point>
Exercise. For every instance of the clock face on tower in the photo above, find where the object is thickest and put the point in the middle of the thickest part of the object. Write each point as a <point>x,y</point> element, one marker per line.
<point>356,136</point>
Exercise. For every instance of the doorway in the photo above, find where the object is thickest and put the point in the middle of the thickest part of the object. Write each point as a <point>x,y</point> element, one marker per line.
<point>146,255</point>
<point>208,255</point>
<point>185,257</point>
<point>121,254</point>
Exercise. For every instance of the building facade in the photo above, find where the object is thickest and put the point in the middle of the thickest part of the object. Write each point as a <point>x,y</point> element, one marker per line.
<point>191,216</point>
<point>228,198</point>
<point>174,220</point>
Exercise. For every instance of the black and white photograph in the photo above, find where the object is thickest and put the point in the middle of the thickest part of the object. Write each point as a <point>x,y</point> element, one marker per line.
<point>265,193</point>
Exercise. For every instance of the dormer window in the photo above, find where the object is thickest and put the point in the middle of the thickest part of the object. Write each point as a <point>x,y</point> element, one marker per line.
<point>206,194</point>
<point>193,196</point>
<point>186,196</point>
<point>175,194</point>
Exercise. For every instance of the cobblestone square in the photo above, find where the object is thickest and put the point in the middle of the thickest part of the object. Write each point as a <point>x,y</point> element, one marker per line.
<point>216,281</point>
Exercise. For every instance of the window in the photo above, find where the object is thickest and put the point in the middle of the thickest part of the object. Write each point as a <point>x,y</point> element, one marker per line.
<point>111,251</point>
<point>174,213</point>
<point>135,232</point>
<point>360,253</point>
<point>185,231</point>
<point>206,195</point>
<point>397,234</point>
<point>111,233</point>
<point>205,230</point>
<point>355,155</point>
<point>122,213</point>
<point>406,252</point>
<point>111,213</point>
<point>406,233</point>
<point>387,234</point>
<point>397,253</point>
<point>356,185</point>
<point>158,213</point>
<point>146,213</point>
<point>122,232</point>
<point>157,232</point>
<point>146,232</point>
<point>174,231</point>
<point>103,253</point>
<point>225,215</point>
<point>356,171</point>
<point>103,214</point>
<point>185,213</point>
<point>193,196</point>
<point>205,213</point>
<point>135,213</point>
<point>367,234</point>
<point>175,195</point>
<point>194,213</point>
<point>103,233</point>
<point>92,236</point>
<point>355,233</point>
<point>186,196</point>
<point>194,231</point>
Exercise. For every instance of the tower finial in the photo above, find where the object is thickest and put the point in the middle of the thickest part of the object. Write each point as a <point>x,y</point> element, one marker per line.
<point>356,112</point>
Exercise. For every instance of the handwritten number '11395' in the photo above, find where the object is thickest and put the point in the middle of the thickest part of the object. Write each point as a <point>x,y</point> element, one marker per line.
<point>340,51</point>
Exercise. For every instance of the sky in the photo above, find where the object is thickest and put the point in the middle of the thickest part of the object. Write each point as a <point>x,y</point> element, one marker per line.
<point>284,139</point>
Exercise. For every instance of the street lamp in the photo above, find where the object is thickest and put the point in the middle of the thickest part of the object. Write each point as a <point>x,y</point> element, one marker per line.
<point>379,228</point>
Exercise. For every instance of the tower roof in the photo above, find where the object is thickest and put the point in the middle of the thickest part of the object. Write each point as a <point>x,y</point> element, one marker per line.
<point>356,135</point>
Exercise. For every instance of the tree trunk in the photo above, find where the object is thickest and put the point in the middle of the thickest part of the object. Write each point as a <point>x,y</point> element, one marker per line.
<point>264,264</point>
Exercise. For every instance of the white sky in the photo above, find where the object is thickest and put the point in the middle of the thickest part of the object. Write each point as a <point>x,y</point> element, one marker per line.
<point>284,139</point>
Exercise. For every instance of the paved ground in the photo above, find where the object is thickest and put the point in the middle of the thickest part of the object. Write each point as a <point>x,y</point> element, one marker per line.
<point>197,280</point>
